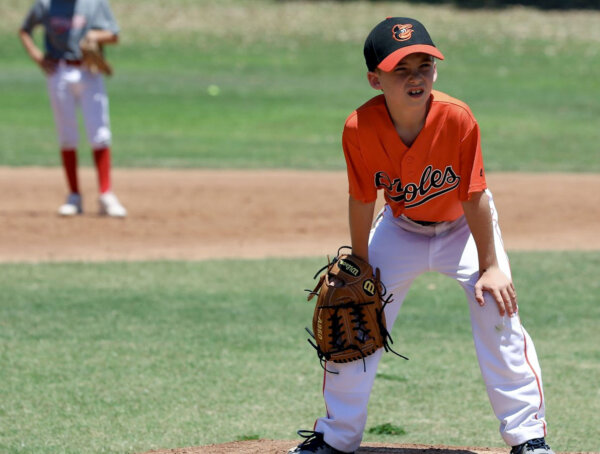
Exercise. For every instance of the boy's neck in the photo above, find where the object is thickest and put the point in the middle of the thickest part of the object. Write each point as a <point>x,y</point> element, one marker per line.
<point>408,122</point>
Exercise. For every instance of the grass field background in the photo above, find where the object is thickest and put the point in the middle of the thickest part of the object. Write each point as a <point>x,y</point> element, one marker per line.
<point>127,357</point>
<point>290,72</point>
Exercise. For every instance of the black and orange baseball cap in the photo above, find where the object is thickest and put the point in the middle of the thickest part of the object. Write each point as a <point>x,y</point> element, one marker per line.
<point>393,39</point>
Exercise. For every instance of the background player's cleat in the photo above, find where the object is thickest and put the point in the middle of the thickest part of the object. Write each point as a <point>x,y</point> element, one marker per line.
<point>72,206</point>
<point>535,446</point>
<point>110,206</point>
<point>313,444</point>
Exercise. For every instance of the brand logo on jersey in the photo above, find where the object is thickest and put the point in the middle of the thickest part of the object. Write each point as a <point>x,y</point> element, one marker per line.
<point>402,32</point>
<point>62,24</point>
<point>349,267</point>
<point>433,183</point>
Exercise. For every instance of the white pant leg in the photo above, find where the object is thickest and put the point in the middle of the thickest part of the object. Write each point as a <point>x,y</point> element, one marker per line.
<point>94,107</point>
<point>64,100</point>
<point>346,395</point>
<point>506,354</point>
<point>401,256</point>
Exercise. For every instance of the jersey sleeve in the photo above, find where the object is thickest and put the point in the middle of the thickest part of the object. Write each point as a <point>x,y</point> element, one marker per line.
<point>34,17</point>
<point>104,19</point>
<point>471,164</point>
<point>361,186</point>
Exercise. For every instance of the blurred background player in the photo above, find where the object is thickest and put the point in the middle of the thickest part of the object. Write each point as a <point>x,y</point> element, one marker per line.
<point>71,85</point>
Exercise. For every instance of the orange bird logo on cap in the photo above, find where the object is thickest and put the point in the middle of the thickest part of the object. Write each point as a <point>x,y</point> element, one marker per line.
<point>402,32</point>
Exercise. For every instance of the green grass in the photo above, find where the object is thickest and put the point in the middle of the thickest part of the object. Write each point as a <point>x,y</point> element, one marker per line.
<point>128,357</point>
<point>290,73</point>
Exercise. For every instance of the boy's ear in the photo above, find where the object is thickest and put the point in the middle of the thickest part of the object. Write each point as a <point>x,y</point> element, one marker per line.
<point>434,72</point>
<point>373,79</point>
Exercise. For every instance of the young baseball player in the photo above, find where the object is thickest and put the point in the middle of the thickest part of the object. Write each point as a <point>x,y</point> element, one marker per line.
<point>70,86</point>
<point>422,148</point>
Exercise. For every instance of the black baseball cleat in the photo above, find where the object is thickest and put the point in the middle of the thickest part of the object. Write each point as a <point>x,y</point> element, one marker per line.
<point>535,446</point>
<point>314,444</point>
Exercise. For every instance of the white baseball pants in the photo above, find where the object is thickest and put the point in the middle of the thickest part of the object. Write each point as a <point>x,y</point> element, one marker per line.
<point>403,250</point>
<point>70,87</point>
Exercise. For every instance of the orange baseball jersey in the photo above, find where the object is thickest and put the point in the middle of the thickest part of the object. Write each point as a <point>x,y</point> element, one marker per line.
<point>426,181</point>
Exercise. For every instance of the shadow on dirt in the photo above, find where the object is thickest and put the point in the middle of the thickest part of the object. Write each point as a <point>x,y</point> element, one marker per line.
<point>375,450</point>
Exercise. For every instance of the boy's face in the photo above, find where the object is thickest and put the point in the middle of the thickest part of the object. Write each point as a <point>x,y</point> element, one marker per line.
<point>409,83</point>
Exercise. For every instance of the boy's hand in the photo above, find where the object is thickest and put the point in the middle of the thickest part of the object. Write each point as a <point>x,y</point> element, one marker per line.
<point>48,66</point>
<point>494,281</point>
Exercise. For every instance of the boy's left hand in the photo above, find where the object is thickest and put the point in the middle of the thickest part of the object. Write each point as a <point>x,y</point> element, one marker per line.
<point>494,281</point>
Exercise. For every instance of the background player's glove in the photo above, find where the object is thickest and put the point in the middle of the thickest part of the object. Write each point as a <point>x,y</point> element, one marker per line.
<point>349,321</point>
<point>93,58</point>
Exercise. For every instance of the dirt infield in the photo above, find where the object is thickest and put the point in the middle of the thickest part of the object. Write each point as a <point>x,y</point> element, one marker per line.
<point>281,447</point>
<point>203,214</point>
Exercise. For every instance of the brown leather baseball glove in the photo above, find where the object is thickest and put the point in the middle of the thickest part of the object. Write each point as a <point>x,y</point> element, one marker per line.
<point>349,319</point>
<point>92,57</point>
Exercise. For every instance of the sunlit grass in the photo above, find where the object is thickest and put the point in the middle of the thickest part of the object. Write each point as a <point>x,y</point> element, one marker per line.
<point>128,357</point>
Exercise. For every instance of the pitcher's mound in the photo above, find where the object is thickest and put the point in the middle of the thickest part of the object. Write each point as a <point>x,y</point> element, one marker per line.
<point>282,447</point>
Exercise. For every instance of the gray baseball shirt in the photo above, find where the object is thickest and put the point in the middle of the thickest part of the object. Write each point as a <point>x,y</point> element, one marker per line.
<point>66,22</point>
